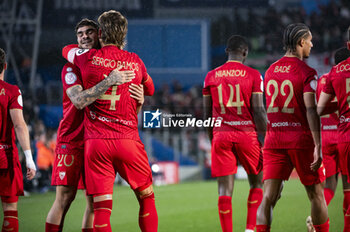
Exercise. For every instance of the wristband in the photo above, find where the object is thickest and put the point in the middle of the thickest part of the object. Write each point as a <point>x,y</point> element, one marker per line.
<point>29,159</point>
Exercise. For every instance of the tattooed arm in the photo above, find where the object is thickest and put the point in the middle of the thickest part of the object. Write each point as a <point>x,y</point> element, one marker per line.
<point>82,98</point>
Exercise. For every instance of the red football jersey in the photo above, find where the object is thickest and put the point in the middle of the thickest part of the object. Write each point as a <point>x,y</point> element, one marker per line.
<point>230,87</point>
<point>285,83</point>
<point>329,122</point>
<point>71,128</point>
<point>338,84</point>
<point>10,98</point>
<point>113,115</point>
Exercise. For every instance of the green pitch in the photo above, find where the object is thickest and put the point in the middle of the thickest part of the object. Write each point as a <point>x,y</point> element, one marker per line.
<point>187,207</point>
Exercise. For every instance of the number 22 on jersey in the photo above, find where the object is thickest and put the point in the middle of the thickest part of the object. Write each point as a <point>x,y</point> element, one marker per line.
<point>276,90</point>
<point>230,103</point>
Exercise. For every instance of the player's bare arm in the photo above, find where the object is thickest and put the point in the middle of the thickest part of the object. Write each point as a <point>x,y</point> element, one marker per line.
<point>314,124</point>
<point>22,134</point>
<point>207,103</point>
<point>325,104</point>
<point>259,113</point>
<point>82,98</point>
<point>137,92</point>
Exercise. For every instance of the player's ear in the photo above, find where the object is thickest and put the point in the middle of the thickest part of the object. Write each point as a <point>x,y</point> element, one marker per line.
<point>5,66</point>
<point>301,42</point>
<point>99,33</point>
<point>348,45</point>
<point>245,53</point>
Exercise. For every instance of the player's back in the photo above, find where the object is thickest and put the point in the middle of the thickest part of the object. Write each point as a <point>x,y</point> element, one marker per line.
<point>71,128</point>
<point>285,82</point>
<point>231,87</point>
<point>10,98</point>
<point>329,122</point>
<point>339,78</point>
<point>113,115</point>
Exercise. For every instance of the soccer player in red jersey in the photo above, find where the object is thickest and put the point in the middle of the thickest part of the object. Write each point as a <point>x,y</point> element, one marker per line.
<point>11,121</point>
<point>112,142</point>
<point>330,151</point>
<point>68,171</point>
<point>338,85</point>
<point>293,129</point>
<point>233,92</point>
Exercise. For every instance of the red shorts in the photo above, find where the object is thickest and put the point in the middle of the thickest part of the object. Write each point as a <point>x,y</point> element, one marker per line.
<point>105,157</point>
<point>68,168</point>
<point>279,164</point>
<point>344,159</point>
<point>224,157</point>
<point>331,159</point>
<point>11,178</point>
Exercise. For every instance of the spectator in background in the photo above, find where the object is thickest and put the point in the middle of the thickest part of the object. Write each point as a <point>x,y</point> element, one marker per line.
<point>45,159</point>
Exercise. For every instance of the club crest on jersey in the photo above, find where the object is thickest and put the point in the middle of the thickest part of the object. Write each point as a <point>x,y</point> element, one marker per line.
<point>81,51</point>
<point>62,175</point>
<point>70,78</point>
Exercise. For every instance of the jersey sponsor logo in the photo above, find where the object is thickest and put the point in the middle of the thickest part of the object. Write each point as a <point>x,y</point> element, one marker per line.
<point>313,84</point>
<point>112,64</point>
<point>343,68</point>
<point>81,51</point>
<point>285,124</point>
<point>62,175</point>
<point>94,116</point>
<point>282,69</point>
<point>2,92</point>
<point>329,127</point>
<point>70,78</point>
<point>4,146</point>
<point>342,119</point>
<point>239,123</point>
<point>231,73</point>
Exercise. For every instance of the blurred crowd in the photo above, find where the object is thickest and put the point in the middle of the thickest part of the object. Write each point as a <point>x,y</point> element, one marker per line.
<point>328,25</point>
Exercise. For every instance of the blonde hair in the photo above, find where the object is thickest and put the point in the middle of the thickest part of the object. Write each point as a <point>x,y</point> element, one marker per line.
<point>114,27</point>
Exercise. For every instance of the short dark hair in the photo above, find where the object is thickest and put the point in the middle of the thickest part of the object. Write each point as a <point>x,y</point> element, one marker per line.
<point>293,34</point>
<point>236,43</point>
<point>341,54</point>
<point>86,22</point>
<point>2,59</point>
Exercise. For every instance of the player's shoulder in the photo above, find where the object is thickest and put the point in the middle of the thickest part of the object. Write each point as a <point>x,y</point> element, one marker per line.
<point>4,86</point>
<point>251,70</point>
<point>340,68</point>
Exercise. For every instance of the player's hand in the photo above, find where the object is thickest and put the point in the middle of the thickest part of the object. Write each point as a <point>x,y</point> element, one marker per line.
<point>136,92</point>
<point>30,173</point>
<point>120,77</point>
<point>316,164</point>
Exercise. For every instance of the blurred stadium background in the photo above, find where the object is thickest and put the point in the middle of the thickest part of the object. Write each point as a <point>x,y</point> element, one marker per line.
<point>179,42</point>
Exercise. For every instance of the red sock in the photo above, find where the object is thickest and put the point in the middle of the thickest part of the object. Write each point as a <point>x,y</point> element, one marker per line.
<point>52,227</point>
<point>10,222</point>
<point>262,228</point>
<point>347,220</point>
<point>102,214</point>
<point>328,195</point>
<point>225,213</point>
<point>254,200</point>
<point>323,227</point>
<point>87,230</point>
<point>148,218</point>
<point>346,201</point>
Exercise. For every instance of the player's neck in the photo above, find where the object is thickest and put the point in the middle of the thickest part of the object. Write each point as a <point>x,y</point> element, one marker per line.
<point>2,76</point>
<point>235,58</point>
<point>294,54</point>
